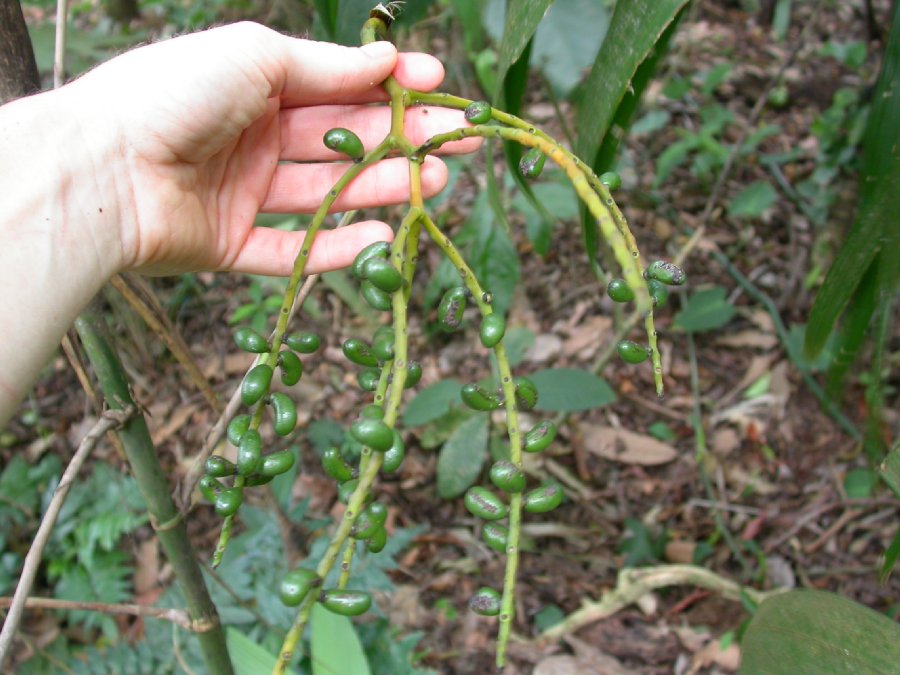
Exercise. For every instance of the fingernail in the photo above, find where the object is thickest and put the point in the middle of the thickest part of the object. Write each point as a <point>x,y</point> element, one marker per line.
<point>379,50</point>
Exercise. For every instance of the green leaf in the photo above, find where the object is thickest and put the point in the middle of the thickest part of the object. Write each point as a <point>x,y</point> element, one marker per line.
<point>818,632</point>
<point>432,402</point>
<point>641,544</point>
<point>559,199</point>
<point>248,657</point>
<point>570,390</point>
<point>517,341</point>
<point>891,555</point>
<point>890,469</point>
<point>495,262</point>
<point>661,432</point>
<point>462,457</point>
<point>753,200</point>
<point>335,646</point>
<point>522,19</point>
<point>705,310</point>
<point>549,616</point>
<point>860,483</point>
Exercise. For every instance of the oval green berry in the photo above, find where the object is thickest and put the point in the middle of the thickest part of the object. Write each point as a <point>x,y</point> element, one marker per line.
<point>526,393</point>
<point>228,501</point>
<point>219,467</point>
<point>370,521</point>
<point>374,433</point>
<point>335,465</point>
<point>494,535</point>
<point>632,352</point>
<point>665,272</point>
<point>485,602</point>
<point>380,249</point>
<point>383,346</point>
<point>413,374</point>
<point>285,412</point>
<point>484,504</point>
<point>249,340</point>
<point>304,343</point>
<point>368,379</point>
<point>658,292</point>
<point>295,586</point>
<point>209,487</point>
<point>256,384</point>
<point>478,112</point>
<point>344,141</point>
<point>277,463</point>
<point>346,603</point>
<point>373,411</point>
<point>257,479</point>
<point>507,476</point>
<point>377,542</point>
<point>619,291</point>
<point>451,309</point>
<point>539,437</point>
<point>493,328</point>
<point>532,163</point>
<point>237,427</point>
<point>478,399</point>
<point>394,455</point>
<point>375,297</point>
<point>543,499</point>
<point>611,180</point>
<point>346,489</point>
<point>359,353</point>
<point>382,274</point>
<point>249,453</point>
<point>291,367</point>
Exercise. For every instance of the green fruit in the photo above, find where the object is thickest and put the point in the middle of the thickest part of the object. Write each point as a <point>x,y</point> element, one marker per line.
<point>345,142</point>
<point>494,535</point>
<point>237,427</point>
<point>478,399</point>
<point>370,521</point>
<point>377,541</point>
<point>373,411</point>
<point>478,112</point>
<point>285,412</point>
<point>382,274</point>
<point>209,487</point>
<point>380,249</point>
<point>373,433</point>
<point>484,504</point>
<point>249,453</point>
<point>219,467</point>
<point>532,163</point>
<point>257,479</point>
<point>619,291</point>
<point>305,343</point>
<point>296,585</point>
<point>228,501</point>
<point>383,346</point>
<point>526,393</point>
<point>249,340</point>
<point>658,292</point>
<point>346,489</point>
<point>346,603</point>
<point>277,463</point>
<point>611,180</point>
<point>394,455</point>
<point>413,374</point>
<point>485,602</point>
<point>335,465</point>
<point>368,379</point>
<point>507,476</point>
<point>359,353</point>
<point>540,437</point>
<point>493,328</point>
<point>256,384</point>
<point>543,499</point>
<point>632,352</point>
<point>451,309</point>
<point>291,368</point>
<point>666,273</point>
<point>375,297</point>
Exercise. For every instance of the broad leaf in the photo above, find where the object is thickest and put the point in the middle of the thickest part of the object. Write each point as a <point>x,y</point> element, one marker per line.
<point>432,402</point>
<point>570,390</point>
<point>705,310</point>
<point>335,645</point>
<point>890,469</point>
<point>462,457</point>
<point>247,657</point>
<point>818,632</point>
<point>522,19</point>
<point>753,200</point>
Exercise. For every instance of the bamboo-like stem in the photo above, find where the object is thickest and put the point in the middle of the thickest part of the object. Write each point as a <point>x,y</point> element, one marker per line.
<point>164,515</point>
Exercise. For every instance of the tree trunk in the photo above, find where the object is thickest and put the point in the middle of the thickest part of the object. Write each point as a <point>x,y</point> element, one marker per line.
<point>18,69</point>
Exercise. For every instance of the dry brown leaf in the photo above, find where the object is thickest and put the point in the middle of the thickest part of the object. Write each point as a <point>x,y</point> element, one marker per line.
<point>680,552</point>
<point>586,339</point>
<point>748,339</point>
<point>724,441</point>
<point>546,347</point>
<point>628,447</point>
<point>178,419</point>
<point>573,665</point>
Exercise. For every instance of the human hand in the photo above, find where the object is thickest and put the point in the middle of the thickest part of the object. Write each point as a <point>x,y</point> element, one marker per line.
<point>193,130</point>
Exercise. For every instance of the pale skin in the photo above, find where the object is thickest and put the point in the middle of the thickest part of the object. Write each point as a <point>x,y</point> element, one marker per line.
<point>159,160</point>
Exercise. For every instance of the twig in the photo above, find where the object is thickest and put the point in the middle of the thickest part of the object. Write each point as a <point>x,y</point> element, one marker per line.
<point>110,419</point>
<point>59,50</point>
<point>176,616</point>
<point>632,584</point>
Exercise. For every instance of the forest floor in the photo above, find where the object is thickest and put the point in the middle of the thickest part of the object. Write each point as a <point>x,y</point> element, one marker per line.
<point>773,509</point>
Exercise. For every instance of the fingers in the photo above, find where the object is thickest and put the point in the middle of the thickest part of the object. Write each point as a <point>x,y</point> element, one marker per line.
<point>302,187</point>
<point>272,252</point>
<point>302,129</point>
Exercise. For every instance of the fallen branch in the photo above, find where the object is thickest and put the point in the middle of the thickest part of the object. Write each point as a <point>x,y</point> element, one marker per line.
<point>176,616</point>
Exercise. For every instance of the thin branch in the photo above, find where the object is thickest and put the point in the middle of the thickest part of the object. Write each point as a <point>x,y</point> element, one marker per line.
<point>110,420</point>
<point>59,51</point>
<point>175,616</point>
